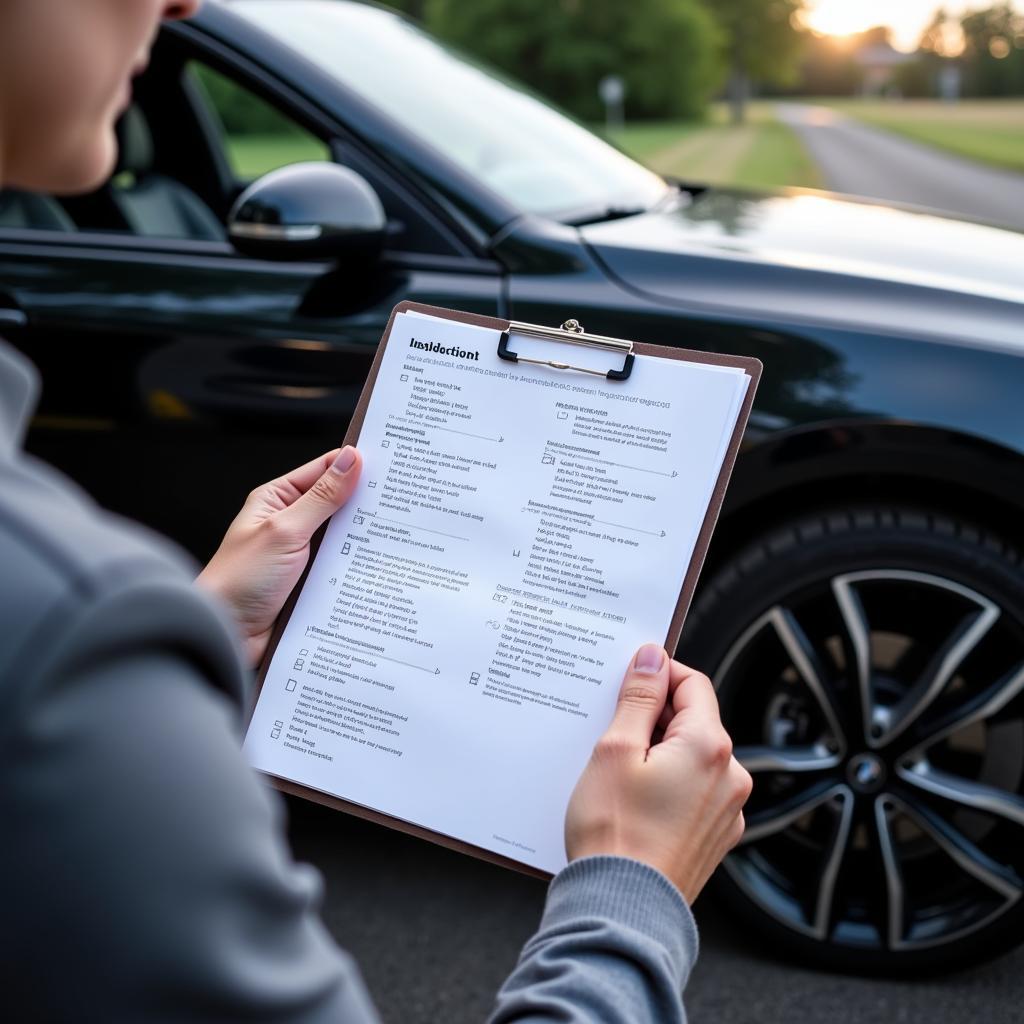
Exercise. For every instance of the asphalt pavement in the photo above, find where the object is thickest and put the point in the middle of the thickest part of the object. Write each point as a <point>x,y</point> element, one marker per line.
<point>861,160</point>
<point>435,934</point>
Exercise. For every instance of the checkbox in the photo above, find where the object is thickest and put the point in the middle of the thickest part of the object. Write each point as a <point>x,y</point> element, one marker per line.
<point>404,376</point>
<point>548,460</point>
<point>290,685</point>
<point>372,484</point>
<point>275,733</point>
<point>346,548</point>
<point>385,444</point>
<point>303,652</point>
<point>563,415</point>
<point>298,664</point>
<point>358,520</point>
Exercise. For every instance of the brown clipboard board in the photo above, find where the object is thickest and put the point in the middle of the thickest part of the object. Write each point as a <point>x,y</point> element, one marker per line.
<point>749,364</point>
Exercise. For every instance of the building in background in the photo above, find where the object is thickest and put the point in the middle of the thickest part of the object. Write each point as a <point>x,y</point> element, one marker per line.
<point>880,62</point>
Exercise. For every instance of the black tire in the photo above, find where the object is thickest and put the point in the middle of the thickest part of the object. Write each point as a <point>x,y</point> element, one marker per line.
<point>929,832</point>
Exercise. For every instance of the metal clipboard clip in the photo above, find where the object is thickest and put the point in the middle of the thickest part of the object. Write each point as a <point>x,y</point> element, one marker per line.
<point>572,333</point>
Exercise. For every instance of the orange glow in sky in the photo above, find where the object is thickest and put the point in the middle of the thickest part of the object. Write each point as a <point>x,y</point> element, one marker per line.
<point>907,18</point>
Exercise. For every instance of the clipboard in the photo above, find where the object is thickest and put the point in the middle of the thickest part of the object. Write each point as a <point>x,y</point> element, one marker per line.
<point>572,332</point>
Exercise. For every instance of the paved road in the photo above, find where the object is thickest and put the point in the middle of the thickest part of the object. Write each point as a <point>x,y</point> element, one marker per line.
<point>436,933</point>
<point>861,160</point>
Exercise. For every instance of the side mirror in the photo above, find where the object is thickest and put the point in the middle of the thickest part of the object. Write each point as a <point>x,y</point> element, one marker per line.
<point>308,210</point>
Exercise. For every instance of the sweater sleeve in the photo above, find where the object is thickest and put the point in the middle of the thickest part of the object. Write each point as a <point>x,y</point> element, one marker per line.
<point>146,873</point>
<point>616,944</point>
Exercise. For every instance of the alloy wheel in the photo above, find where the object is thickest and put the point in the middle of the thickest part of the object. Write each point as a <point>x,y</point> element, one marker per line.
<point>879,714</point>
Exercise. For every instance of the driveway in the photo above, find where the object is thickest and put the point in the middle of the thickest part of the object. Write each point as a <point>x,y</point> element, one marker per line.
<point>436,933</point>
<point>861,160</point>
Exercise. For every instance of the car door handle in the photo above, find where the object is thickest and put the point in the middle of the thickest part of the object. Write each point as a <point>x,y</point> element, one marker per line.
<point>13,318</point>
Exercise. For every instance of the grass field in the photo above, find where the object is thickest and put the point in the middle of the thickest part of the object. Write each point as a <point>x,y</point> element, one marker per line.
<point>990,131</point>
<point>762,153</point>
<point>254,155</point>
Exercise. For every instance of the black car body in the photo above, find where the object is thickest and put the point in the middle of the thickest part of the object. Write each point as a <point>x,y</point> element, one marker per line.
<point>178,373</point>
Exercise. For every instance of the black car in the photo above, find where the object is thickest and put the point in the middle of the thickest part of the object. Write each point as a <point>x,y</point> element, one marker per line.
<point>862,606</point>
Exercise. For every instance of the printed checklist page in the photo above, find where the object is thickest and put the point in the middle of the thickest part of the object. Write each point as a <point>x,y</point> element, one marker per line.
<point>517,532</point>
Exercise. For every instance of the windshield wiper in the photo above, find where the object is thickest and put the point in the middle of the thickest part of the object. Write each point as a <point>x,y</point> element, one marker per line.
<point>606,214</point>
<point>674,194</point>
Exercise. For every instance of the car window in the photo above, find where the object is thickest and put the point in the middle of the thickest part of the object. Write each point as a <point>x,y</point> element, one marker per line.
<point>257,137</point>
<point>254,137</point>
<point>149,194</point>
<point>506,137</point>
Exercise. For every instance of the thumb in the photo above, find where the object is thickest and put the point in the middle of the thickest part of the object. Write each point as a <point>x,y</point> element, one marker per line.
<point>641,699</point>
<point>325,495</point>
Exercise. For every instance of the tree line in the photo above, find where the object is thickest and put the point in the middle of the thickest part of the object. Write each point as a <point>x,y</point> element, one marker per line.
<point>984,47</point>
<point>675,55</point>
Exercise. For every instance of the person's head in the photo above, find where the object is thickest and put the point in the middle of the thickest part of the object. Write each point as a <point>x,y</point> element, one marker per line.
<point>65,71</point>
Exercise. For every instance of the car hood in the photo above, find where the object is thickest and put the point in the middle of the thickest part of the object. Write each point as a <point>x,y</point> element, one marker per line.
<point>790,252</point>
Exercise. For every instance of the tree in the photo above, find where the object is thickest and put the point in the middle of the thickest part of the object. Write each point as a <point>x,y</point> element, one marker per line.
<point>994,51</point>
<point>942,37</point>
<point>763,42</point>
<point>413,8</point>
<point>940,42</point>
<point>667,51</point>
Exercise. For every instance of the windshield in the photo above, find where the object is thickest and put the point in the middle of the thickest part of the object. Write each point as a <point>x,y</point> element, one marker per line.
<point>531,155</point>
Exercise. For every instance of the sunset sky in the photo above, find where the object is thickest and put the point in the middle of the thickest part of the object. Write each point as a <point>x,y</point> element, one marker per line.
<point>908,18</point>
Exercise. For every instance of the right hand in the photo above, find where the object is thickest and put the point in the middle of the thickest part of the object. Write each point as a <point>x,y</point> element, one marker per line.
<point>675,804</point>
<point>267,546</point>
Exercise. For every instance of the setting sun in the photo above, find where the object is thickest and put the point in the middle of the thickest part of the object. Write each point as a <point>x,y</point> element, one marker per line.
<point>906,18</point>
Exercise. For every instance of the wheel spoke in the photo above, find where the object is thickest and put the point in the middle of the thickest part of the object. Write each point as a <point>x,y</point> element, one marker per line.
<point>786,759</point>
<point>771,820</point>
<point>943,666</point>
<point>826,891</point>
<point>894,889</point>
<point>971,858</point>
<point>964,792</point>
<point>976,708</point>
<point>807,663</point>
<point>857,644</point>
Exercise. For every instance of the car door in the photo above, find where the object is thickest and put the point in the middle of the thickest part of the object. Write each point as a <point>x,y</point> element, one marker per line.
<point>177,374</point>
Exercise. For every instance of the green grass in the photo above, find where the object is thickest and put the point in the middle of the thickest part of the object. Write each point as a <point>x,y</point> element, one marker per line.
<point>254,155</point>
<point>646,138</point>
<point>990,131</point>
<point>777,159</point>
<point>763,153</point>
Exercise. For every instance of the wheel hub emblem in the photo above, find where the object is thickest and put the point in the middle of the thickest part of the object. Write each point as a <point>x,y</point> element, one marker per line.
<point>866,773</point>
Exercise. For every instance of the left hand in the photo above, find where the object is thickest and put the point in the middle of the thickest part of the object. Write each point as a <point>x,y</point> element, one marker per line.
<point>267,546</point>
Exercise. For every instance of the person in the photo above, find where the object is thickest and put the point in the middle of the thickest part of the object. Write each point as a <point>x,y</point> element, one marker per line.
<point>144,870</point>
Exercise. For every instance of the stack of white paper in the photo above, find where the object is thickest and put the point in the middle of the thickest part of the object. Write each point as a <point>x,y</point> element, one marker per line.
<point>517,533</point>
